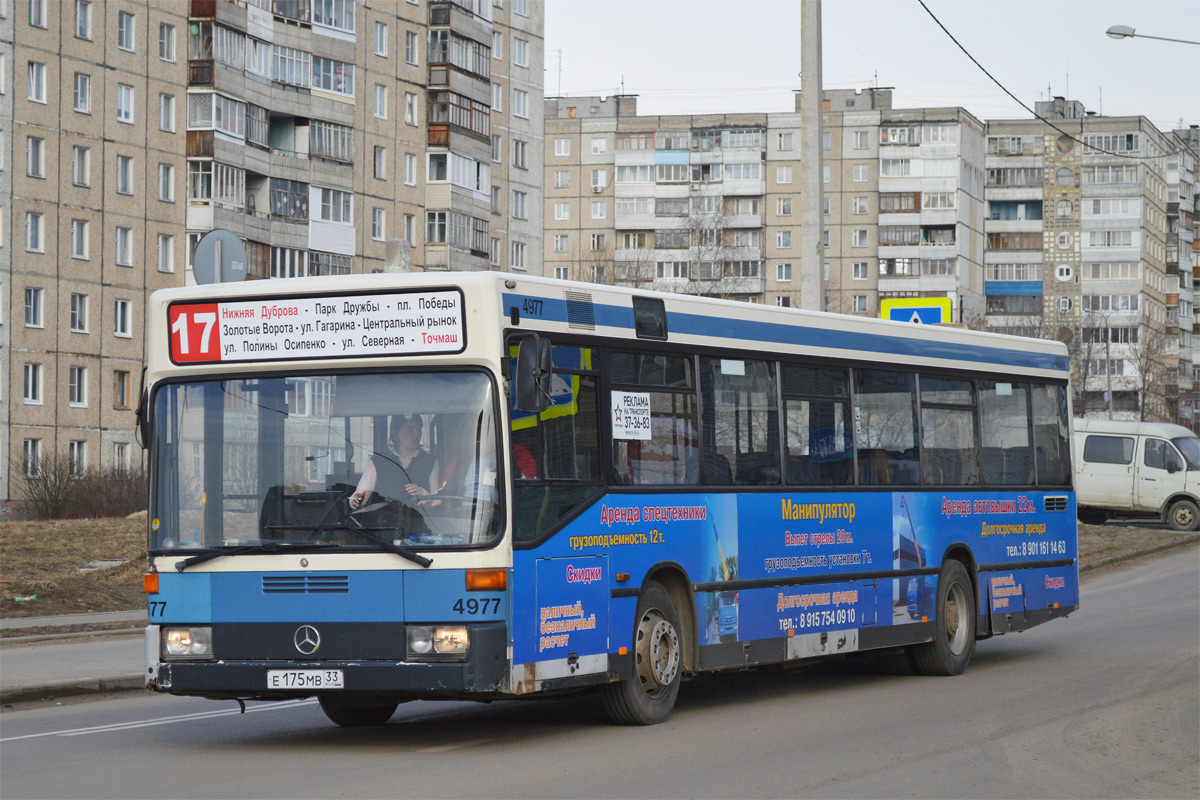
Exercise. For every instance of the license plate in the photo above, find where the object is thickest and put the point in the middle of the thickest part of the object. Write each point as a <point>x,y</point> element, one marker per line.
<point>305,679</point>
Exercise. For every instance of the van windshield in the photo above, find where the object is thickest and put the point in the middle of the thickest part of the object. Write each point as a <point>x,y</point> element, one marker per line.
<point>1190,447</point>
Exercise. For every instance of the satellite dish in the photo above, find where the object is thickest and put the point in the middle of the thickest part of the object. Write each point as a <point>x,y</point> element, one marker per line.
<point>220,257</point>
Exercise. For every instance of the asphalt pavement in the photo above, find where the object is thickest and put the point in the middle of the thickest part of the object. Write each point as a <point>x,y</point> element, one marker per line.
<point>74,662</point>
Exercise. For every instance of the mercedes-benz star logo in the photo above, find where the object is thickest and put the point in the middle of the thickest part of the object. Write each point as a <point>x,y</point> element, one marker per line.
<point>307,639</point>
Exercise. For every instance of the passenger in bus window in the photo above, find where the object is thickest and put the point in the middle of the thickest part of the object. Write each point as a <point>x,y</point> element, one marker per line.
<point>407,470</point>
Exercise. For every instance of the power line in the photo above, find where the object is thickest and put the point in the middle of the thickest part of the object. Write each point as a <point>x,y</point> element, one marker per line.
<point>1030,110</point>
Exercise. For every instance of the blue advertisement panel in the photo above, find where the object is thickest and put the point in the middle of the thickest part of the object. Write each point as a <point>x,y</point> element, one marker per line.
<point>767,565</point>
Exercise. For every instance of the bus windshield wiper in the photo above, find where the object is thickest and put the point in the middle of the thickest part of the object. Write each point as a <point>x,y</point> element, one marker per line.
<point>266,547</point>
<point>391,547</point>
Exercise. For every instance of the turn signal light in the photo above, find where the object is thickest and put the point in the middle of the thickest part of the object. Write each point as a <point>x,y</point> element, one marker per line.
<point>487,580</point>
<point>150,583</point>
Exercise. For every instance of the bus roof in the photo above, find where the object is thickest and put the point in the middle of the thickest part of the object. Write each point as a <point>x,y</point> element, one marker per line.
<point>555,306</point>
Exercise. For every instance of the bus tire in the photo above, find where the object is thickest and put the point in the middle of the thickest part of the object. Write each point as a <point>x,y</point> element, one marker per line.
<point>648,697</point>
<point>1183,515</point>
<point>350,713</point>
<point>954,626</point>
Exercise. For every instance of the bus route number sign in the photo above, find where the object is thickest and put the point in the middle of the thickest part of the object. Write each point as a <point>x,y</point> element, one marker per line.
<point>401,323</point>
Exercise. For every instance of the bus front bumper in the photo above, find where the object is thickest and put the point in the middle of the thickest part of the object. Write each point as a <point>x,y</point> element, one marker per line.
<point>483,672</point>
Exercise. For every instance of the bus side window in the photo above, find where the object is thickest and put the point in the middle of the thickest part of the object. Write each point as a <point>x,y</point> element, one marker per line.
<point>1004,420</point>
<point>819,442</point>
<point>741,422</point>
<point>1051,429</point>
<point>671,456</point>
<point>885,418</point>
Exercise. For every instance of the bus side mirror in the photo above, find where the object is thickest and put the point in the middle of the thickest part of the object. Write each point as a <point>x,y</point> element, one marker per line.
<point>534,367</point>
<point>142,415</point>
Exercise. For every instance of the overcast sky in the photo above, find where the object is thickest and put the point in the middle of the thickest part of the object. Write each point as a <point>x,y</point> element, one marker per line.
<point>707,56</point>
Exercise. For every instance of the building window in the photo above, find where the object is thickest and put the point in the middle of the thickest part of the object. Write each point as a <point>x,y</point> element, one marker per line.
<point>33,307</point>
<point>859,237</point>
<point>120,463</point>
<point>562,147</point>
<point>599,209</point>
<point>599,145</point>
<point>77,458</point>
<point>83,93</point>
<point>37,82</point>
<point>783,272</point>
<point>37,13</point>
<point>411,44</point>
<point>861,140</point>
<point>330,75</point>
<point>562,179</point>
<point>32,392</point>
<point>166,113</point>
<point>410,228</point>
<point>32,448</point>
<point>497,148</point>
<point>410,108</point>
<point>83,19</point>
<point>562,211</point>
<point>785,141</point>
<point>826,174</point>
<point>861,172</point>
<point>79,238</point>
<point>518,255</point>
<point>599,242</point>
<point>120,389</point>
<point>380,163</point>
<point>125,39</point>
<point>783,302</point>
<point>859,304</point>
<point>861,205</point>
<point>336,206</point>
<point>520,52</point>
<point>519,150</point>
<point>520,103</point>
<point>518,205</point>
<point>562,273</point>
<point>599,179</point>
<point>410,169</point>
<point>166,183</point>
<point>381,39</point>
<point>783,174</point>
<point>860,270</point>
<point>35,157</point>
<point>783,240</point>
<point>562,244</point>
<point>34,232</point>
<point>166,42</point>
<point>380,101</point>
<point>166,253</point>
<point>124,247</point>
<point>125,103</point>
<point>124,175</point>
<point>377,224</point>
<point>121,318</point>
<point>783,206</point>
<point>77,387</point>
<point>79,312</point>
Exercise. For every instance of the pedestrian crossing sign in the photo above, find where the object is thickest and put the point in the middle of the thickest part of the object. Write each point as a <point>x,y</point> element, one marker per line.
<point>921,310</point>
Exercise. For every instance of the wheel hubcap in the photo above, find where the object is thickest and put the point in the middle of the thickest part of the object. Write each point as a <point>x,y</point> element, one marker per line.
<point>1183,516</point>
<point>956,621</point>
<point>657,651</point>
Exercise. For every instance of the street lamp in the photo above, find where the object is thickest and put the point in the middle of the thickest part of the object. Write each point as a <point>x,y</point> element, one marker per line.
<point>1126,32</point>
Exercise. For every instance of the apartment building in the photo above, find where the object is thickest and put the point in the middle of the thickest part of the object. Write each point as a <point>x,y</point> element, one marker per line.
<point>1077,251</point>
<point>332,136</point>
<point>706,205</point>
<point>93,151</point>
<point>903,204</point>
<point>1182,255</point>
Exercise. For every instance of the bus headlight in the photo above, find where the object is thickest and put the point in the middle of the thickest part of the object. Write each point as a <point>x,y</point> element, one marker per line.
<point>187,642</point>
<point>437,643</point>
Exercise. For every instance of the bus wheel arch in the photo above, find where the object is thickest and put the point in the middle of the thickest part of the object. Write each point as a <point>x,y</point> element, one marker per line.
<point>672,578</point>
<point>648,695</point>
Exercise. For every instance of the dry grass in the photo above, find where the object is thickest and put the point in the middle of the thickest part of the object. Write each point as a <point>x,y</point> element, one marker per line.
<point>44,558</point>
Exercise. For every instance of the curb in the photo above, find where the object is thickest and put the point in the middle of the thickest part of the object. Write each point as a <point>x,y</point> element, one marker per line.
<point>48,637</point>
<point>1149,551</point>
<point>72,688</point>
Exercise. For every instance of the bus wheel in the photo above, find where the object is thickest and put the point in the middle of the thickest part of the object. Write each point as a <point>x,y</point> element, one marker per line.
<point>953,629</point>
<point>1183,515</point>
<point>648,697</point>
<point>350,713</point>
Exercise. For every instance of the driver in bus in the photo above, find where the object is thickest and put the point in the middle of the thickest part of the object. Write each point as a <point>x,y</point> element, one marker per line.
<point>406,470</point>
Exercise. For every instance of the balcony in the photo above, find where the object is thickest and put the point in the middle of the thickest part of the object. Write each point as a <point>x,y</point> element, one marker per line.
<point>200,144</point>
<point>293,10</point>
<point>206,9</point>
<point>439,136</point>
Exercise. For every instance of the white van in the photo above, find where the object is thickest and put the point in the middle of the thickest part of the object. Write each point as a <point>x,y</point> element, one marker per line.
<point>1137,468</point>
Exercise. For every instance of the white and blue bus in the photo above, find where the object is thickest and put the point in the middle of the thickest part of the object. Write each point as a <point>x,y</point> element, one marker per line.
<point>373,489</point>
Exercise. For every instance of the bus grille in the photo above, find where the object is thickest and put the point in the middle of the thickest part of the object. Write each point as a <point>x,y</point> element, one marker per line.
<point>1056,502</point>
<point>306,584</point>
<point>580,312</point>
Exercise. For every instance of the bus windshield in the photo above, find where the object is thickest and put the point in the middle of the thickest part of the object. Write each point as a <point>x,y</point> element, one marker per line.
<point>325,461</point>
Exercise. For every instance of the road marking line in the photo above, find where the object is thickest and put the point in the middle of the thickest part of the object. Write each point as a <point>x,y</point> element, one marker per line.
<point>121,726</point>
<point>443,748</point>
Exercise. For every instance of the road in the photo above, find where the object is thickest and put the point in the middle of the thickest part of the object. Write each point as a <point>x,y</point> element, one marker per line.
<point>1103,704</point>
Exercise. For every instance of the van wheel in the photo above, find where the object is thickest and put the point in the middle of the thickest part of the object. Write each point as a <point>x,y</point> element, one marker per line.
<point>1092,516</point>
<point>648,697</point>
<point>954,627</point>
<point>1183,516</point>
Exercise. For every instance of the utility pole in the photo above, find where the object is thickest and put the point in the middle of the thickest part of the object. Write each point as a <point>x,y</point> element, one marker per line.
<point>812,259</point>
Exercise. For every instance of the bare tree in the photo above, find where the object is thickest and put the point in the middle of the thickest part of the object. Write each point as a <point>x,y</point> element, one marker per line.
<point>1154,376</point>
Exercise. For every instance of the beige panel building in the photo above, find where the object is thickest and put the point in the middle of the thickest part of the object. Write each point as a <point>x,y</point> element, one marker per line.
<point>332,136</point>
